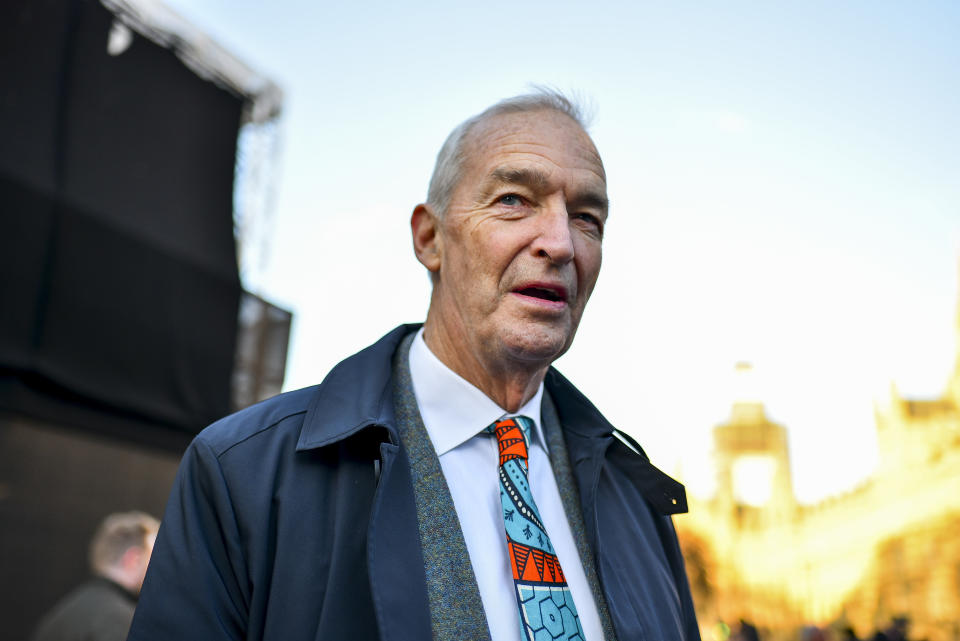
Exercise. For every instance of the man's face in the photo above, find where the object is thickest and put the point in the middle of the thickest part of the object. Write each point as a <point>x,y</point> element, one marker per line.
<point>521,240</point>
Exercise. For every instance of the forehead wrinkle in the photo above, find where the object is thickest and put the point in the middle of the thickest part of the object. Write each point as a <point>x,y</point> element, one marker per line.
<point>487,138</point>
<point>587,152</point>
<point>499,130</point>
<point>582,147</point>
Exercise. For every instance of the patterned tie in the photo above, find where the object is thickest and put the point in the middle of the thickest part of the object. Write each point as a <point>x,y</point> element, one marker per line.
<point>546,605</point>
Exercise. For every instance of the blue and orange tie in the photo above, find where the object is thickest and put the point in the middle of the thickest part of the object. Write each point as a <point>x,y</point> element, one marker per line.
<point>543,597</point>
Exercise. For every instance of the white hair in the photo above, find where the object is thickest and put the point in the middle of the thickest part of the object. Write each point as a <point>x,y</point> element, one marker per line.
<point>449,166</point>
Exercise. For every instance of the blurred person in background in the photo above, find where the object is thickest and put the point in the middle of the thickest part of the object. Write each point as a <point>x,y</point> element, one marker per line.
<point>101,609</point>
<point>899,627</point>
<point>812,633</point>
<point>746,631</point>
<point>848,634</point>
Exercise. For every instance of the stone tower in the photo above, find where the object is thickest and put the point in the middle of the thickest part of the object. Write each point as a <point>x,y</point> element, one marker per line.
<point>754,484</point>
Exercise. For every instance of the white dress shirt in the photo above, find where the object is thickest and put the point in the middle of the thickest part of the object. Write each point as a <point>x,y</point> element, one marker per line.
<point>454,413</point>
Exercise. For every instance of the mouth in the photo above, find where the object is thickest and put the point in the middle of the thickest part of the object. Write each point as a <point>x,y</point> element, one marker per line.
<point>544,292</point>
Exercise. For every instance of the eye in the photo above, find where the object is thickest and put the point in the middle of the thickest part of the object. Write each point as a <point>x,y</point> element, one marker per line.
<point>511,200</point>
<point>589,218</point>
<point>591,221</point>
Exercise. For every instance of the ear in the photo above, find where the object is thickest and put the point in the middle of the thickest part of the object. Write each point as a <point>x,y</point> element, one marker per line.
<point>427,241</point>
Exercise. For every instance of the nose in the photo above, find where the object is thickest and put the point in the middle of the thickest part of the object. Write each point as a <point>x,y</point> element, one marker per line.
<point>554,240</point>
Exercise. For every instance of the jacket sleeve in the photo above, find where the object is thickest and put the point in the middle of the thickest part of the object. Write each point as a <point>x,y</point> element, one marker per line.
<point>196,586</point>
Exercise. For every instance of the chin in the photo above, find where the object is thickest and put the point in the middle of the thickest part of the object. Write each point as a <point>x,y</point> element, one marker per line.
<point>541,347</point>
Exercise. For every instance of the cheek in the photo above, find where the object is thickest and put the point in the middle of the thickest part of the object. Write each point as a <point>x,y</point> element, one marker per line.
<point>460,262</point>
<point>588,266</point>
<point>490,256</point>
<point>472,279</point>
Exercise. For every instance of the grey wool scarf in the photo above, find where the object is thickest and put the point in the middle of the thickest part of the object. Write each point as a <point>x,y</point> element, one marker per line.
<point>456,610</point>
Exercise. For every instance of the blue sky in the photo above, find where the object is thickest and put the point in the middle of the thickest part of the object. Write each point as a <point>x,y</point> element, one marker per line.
<point>784,180</point>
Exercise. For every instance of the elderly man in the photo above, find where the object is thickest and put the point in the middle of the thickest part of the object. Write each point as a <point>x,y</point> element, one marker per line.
<point>445,482</point>
<point>101,609</point>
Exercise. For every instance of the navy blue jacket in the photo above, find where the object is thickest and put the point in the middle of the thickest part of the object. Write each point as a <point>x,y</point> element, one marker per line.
<point>295,520</point>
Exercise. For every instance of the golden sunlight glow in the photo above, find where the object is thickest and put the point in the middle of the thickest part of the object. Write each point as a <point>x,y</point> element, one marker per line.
<point>884,551</point>
<point>753,480</point>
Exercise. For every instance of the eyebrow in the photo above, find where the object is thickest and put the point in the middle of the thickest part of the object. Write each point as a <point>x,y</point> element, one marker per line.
<point>536,179</point>
<point>520,176</point>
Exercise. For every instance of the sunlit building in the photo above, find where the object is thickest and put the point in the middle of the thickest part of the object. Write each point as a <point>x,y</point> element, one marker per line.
<point>888,548</point>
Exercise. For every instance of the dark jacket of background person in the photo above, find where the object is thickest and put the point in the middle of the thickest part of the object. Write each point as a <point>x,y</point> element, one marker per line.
<point>295,520</point>
<point>102,608</point>
<point>98,610</point>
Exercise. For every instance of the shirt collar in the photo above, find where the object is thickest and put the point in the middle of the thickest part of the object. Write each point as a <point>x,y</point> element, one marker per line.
<point>453,409</point>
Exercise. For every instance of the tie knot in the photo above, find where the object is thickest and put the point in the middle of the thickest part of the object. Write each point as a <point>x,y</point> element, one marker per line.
<point>512,437</point>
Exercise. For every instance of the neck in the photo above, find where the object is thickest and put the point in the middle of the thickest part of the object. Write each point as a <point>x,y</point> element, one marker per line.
<point>508,384</point>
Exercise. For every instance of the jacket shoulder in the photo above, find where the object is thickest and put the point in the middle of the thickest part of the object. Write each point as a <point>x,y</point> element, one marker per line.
<point>236,428</point>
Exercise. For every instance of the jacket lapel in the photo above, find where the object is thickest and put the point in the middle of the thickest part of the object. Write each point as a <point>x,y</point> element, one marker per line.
<point>595,447</point>
<point>394,557</point>
<point>354,397</point>
<point>589,436</point>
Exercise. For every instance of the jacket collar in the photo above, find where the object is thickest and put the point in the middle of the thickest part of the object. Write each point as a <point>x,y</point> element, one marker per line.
<point>356,394</point>
<point>592,441</point>
<point>578,414</point>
